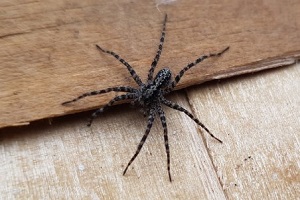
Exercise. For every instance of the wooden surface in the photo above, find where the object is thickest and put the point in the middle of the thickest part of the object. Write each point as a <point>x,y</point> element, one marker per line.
<point>48,50</point>
<point>47,56</point>
<point>257,117</point>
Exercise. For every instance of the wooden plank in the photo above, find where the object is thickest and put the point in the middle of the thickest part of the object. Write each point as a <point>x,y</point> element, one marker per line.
<point>258,118</point>
<point>67,160</point>
<point>48,54</point>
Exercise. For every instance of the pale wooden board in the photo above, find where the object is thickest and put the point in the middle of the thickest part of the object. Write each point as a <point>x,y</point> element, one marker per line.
<point>48,55</point>
<point>255,115</point>
<point>70,161</point>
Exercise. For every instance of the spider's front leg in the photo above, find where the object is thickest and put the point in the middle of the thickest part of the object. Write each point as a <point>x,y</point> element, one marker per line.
<point>117,98</point>
<point>149,125</point>
<point>181,109</point>
<point>97,92</point>
<point>164,125</point>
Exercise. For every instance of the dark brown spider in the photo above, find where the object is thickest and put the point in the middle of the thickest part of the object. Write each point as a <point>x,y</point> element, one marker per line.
<point>150,95</point>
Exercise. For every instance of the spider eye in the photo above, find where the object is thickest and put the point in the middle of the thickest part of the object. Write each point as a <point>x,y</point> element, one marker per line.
<point>163,78</point>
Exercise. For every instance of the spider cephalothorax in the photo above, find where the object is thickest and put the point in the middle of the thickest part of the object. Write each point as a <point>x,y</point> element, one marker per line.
<point>150,95</point>
<point>153,91</point>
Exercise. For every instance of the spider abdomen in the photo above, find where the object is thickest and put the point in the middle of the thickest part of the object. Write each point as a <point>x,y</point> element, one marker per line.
<point>162,78</point>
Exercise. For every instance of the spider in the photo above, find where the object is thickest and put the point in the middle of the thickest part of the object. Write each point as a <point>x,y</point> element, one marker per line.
<point>150,95</point>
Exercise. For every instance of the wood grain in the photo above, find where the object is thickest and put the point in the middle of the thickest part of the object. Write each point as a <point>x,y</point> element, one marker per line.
<point>256,116</point>
<point>259,120</point>
<point>48,55</point>
<point>67,160</point>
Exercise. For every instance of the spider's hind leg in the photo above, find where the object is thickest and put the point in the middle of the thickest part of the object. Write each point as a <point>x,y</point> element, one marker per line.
<point>157,56</point>
<point>130,69</point>
<point>190,65</point>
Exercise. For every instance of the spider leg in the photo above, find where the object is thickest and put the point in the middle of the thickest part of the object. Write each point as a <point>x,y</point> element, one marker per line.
<point>179,108</point>
<point>157,56</point>
<point>190,65</point>
<point>96,92</point>
<point>130,69</point>
<point>117,98</point>
<point>149,125</point>
<point>164,125</point>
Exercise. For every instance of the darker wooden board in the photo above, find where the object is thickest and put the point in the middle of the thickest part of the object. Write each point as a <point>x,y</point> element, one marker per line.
<point>48,52</point>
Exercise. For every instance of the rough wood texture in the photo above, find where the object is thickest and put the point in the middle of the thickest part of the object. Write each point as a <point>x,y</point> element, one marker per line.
<point>259,120</point>
<point>256,116</point>
<point>48,55</point>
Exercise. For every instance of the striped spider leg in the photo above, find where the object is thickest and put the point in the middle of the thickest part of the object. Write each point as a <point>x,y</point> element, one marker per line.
<point>150,95</point>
